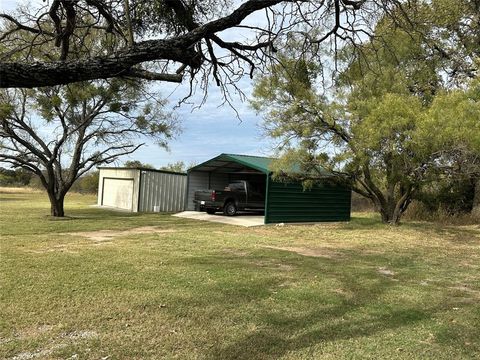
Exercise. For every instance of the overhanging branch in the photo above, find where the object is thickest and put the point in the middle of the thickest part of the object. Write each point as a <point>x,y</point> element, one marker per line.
<point>182,49</point>
<point>148,75</point>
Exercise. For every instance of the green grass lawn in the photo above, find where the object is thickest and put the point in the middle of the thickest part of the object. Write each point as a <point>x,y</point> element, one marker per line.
<point>113,285</point>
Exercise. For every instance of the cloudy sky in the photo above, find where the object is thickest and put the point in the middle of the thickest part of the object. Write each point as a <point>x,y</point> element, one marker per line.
<point>208,131</point>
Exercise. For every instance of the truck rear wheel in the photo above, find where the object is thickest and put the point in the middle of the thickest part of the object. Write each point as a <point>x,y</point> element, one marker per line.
<point>230,209</point>
<point>211,211</point>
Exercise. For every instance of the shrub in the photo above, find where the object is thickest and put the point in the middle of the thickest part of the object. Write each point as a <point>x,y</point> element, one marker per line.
<point>419,211</point>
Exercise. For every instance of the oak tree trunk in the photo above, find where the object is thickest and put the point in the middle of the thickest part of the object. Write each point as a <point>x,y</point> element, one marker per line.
<point>476,200</point>
<point>56,204</point>
<point>392,210</point>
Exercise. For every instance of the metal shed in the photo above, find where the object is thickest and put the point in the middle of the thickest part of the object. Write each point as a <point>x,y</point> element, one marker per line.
<point>142,190</point>
<point>284,202</point>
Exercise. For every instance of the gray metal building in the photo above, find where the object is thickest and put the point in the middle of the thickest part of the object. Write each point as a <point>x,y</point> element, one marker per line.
<point>142,190</point>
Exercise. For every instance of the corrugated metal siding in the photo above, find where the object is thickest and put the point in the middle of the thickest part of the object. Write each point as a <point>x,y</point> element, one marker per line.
<point>218,181</point>
<point>197,180</point>
<point>290,203</point>
<point>163,190</point>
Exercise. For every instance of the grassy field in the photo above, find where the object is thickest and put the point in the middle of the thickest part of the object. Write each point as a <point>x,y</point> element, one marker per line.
<point>112,285</point>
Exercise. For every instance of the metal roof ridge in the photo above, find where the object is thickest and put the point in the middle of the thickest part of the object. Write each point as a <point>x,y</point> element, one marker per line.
<point>140,169</point>
<point>255,156</point>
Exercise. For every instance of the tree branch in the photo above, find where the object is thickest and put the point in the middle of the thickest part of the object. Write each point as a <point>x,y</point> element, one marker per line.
<point>148,75</point>
<point>178,49</point>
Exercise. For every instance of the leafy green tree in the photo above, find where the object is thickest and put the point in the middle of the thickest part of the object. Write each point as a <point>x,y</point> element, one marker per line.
<point>390,126</point>
<point>137,164</point>
<point>449,29</point>
<point>87,183</point>
<point>178,166</point>
<point>61,133</point>
<point>16,177</point>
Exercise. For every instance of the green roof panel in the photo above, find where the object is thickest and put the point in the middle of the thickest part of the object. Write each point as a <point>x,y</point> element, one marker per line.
<point>258,163</point>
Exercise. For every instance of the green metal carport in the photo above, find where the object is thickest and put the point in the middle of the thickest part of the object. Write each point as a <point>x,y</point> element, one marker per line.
<point>326,201</point>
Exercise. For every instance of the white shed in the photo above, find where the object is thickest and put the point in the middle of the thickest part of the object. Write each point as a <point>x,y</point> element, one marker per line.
<point>142,190</point>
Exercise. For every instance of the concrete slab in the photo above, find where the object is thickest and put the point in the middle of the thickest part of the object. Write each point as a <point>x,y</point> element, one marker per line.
<point>247,220</point>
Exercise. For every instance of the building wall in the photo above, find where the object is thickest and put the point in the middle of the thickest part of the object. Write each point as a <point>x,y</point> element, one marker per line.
<point>197,180</point>
<point>218,180</point>
<point>132,174</point>
<point>202,180</point>
<point>161,191</point>
<point>291,203</point>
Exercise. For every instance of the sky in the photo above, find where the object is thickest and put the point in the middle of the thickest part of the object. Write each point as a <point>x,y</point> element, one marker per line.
<point>206,132</point>
<point>210,130</point>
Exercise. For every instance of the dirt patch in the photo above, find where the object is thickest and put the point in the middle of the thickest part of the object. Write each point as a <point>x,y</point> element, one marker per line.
<point>312,252</point>
<point>467,290</point>
<point>98,238</point>
<point>34,331</point>
<point>81,335</point>
<point>385,271</point>
<point>284,267</point>
<point>67,338</point>
<point>63,248</point>
<point>108,235</point>
<point>39,354</point>
<point>341,291</point>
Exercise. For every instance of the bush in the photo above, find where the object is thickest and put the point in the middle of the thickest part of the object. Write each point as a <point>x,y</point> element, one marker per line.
<point>418,211</point>
<point>17,177</point>
<point>361,204</point>
<point>87,184</point>
<point>451,196</point>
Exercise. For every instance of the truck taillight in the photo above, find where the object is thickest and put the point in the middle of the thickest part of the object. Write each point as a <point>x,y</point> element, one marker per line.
<point>212,197</point>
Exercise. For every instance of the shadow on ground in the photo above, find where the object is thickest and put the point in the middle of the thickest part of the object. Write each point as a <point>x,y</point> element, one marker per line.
<point>344,304</point>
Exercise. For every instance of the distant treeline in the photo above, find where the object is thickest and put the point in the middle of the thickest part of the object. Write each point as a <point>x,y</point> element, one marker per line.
<point>87,184</point>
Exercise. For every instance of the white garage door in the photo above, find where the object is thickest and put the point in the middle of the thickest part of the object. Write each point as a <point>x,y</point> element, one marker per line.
<point>118,193</point>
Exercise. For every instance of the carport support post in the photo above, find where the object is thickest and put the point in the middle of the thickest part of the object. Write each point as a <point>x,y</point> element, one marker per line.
<point>265,217</point>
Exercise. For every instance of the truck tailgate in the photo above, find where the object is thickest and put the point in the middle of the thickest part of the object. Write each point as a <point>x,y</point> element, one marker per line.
<point>203,195</point>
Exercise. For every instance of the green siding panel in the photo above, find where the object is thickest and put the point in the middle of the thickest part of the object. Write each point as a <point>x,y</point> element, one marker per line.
<point>293,203</point>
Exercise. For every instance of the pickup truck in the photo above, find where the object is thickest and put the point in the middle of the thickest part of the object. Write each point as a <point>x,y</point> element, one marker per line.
<point>237,196</point>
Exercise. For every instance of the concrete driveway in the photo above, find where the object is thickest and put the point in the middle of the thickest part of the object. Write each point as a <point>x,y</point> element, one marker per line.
<point>246,219</point>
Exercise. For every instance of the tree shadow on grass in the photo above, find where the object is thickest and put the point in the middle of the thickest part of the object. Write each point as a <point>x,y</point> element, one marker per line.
<point>454,234</point>
<point>365,222</point>
<point>300,321</point>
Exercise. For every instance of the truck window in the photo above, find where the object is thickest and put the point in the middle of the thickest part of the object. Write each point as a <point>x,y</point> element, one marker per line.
<point>237,187</point>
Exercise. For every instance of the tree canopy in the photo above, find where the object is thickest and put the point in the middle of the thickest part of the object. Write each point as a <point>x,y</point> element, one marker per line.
<point>392,122</point>
<point>137,164</point>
